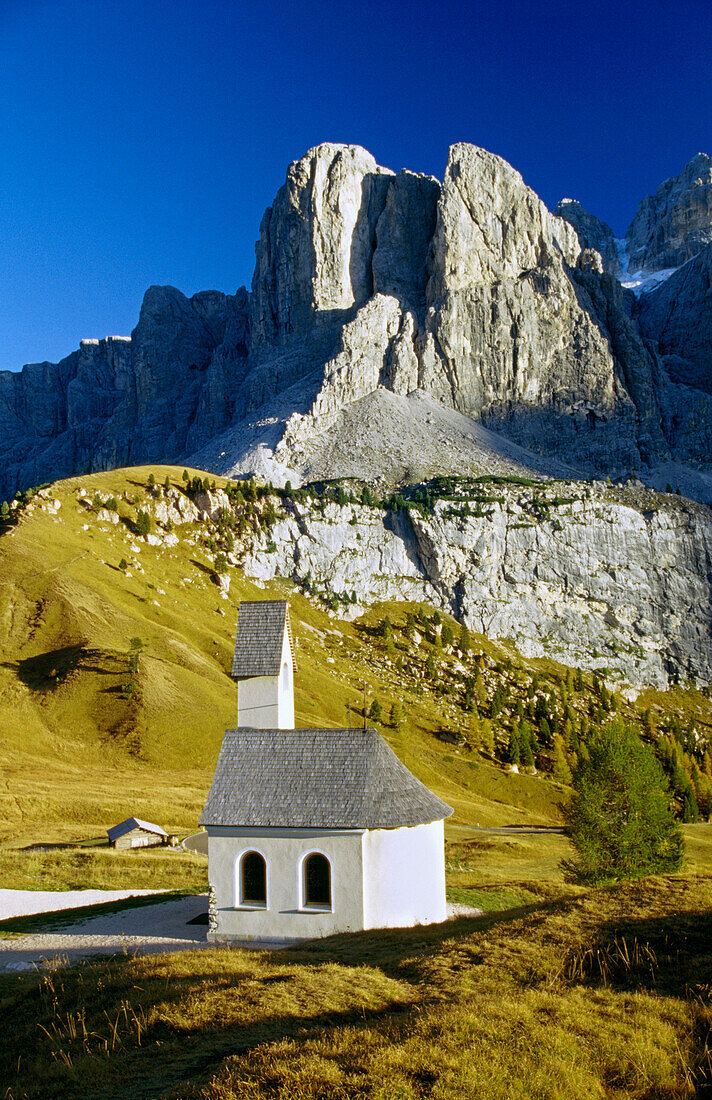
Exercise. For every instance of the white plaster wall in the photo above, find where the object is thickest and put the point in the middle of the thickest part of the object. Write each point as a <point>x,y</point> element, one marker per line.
<point>285,717</point>
<point>283,850</point>
<point>404,876</point>
<point>258,702</point>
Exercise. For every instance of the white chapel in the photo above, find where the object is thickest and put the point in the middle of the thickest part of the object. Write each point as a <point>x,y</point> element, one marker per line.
<point>312,831</point>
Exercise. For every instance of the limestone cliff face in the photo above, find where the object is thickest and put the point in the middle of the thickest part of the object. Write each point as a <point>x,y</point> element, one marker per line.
<point>478,299</point>
<point>671,226</point>
<point>315,252</point>
<point>126,400</point>
<point>607,578</point>
<point>677,318</point>
<point>508,336</point>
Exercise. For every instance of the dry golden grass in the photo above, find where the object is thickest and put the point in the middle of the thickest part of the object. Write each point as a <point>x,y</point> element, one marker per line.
<point>103,868</point>
<point>501,1006</point>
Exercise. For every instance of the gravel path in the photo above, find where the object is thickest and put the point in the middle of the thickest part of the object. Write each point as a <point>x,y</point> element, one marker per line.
<point>148,930</point>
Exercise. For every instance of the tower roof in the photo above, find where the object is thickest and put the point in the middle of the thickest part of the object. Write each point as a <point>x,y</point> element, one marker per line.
<point>260,632</point>
<point>318,779</point>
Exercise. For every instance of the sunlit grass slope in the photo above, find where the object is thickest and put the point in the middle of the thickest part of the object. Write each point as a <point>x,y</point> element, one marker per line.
<point>603,993</point>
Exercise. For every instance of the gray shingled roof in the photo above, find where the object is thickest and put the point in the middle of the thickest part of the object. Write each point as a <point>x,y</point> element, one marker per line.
<point>258,644</point>
<point>319,779</point>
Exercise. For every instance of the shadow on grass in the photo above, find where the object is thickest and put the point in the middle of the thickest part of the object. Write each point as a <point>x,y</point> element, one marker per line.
<point>172,1054</point>
<point>47,671</point>
<point>203,568</point>
<point>400,952</point>
<point>66,845</point>
<point>665,955</point>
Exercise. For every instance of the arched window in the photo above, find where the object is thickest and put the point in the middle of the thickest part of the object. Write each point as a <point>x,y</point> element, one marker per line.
<point>285,677</point>
<point>317,881</point>
<point>253,879</point>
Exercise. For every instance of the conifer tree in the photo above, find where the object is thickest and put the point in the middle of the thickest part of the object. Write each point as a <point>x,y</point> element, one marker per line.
<point>374,712</point>
<point>562,771</point>
<point>464,641</point>
<point>487,737</point>
<point>707,764</point>
<point>690,811</point>
<point>143,523</point>
<point>475,734</point>
<point>397,716</point>
<point>619,818</point>
<point>497,701</point>
<point>513,749</point>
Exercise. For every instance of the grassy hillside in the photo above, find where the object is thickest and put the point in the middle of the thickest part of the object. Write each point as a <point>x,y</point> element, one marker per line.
<point>604,993</point>
<point>93,730</point>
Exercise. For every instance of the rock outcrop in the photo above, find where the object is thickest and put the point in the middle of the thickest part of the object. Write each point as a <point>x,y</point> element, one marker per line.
<point>592,233</point>
<point>674,224</point>
<point>508,337</point>
<point>615,578</point>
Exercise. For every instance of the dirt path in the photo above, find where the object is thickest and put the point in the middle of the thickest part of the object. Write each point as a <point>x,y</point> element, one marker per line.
<point>147,930</point>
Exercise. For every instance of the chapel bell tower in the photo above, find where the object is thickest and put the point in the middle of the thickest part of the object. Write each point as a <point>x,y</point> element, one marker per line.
<point>264,665</point>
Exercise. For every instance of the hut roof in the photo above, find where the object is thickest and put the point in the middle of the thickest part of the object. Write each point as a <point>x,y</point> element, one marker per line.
<point>317,779</point>
<point>258,644</point>
<point>130,824</point>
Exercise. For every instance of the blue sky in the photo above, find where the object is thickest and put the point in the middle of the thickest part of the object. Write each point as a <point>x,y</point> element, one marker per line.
<point>141,141</point>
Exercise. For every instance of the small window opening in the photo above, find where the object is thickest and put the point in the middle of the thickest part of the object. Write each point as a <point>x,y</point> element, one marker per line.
<point>317,880</point>
<point>253,879</point>
<point>285,676</point>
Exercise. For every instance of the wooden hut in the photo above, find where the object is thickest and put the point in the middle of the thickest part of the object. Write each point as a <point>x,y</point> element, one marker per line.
<point>134,833</point>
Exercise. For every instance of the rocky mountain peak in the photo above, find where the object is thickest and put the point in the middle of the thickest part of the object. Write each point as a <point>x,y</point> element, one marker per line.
<point>490,224</point>
<point>674,224</point>
<point>592,233</point>
<point>315,251</point>
<point>377,298</point>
